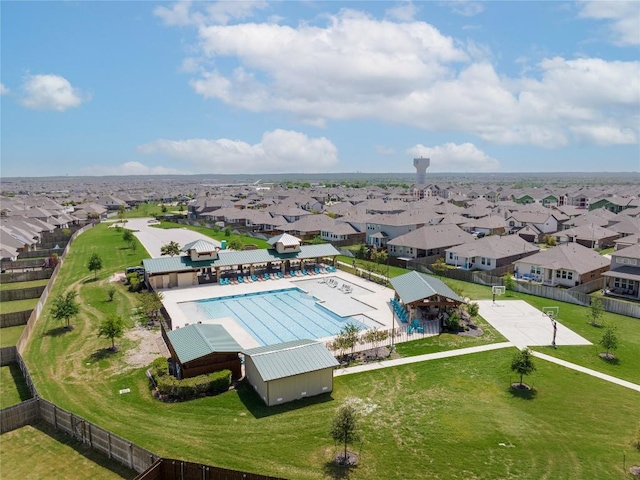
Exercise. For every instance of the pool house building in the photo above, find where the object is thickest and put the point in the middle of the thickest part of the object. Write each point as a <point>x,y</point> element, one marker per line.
<point>206,263</point>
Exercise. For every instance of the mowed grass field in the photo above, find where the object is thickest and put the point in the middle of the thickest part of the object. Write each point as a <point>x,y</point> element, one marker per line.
<point>441,419</point>
<point>9,335</point>
<point>13,388</point>
<point>18,305</point>
<point>216,235</point>
<point>18,285</point>
<point>36,451</point>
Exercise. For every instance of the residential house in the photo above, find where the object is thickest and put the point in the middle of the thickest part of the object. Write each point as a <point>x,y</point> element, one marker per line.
<point>427,241</point>
<point>489,253</point>
<point>489,225</point>
<point>566,265</point>
<point>623,277</point>
<point>542,223</point>
<point>589,235</point>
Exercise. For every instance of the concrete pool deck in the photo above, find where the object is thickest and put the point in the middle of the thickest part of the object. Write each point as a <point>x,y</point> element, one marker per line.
<point>368,299</point>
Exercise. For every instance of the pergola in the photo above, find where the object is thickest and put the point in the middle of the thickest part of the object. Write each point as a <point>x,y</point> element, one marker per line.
<point>425,297</point>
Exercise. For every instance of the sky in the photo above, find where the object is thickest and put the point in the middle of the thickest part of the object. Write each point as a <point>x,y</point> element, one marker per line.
<point>144,88</point>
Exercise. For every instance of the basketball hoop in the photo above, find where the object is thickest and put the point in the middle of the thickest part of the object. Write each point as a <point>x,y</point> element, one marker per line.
<point>497,290</point>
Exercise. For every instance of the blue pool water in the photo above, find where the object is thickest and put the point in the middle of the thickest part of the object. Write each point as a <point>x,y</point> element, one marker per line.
<point>278,315</point>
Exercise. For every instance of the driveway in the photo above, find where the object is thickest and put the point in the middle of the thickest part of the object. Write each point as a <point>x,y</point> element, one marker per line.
<point>154,238</point>
<point>524,325</point>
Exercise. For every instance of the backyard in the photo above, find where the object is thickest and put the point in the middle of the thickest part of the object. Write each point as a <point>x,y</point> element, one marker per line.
<point>453,418</point>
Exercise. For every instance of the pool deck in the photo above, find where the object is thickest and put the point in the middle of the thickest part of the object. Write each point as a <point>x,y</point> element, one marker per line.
<point>367,298</point>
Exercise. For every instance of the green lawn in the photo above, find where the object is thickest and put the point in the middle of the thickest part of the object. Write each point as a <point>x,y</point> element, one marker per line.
<point>19,285</point>
<point>246,240</point>
<point>444,419</point>
<point>18,305</point>
<point>37,451</point>
<point>9,335</point>
<point>144,210</point>
<point>13,388</point>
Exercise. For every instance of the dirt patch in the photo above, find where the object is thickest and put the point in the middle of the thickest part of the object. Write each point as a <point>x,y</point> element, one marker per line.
<point>118,277</point>
<point>149,346</point>
<point>635,471</point>
<point>520,386</point>
<point>350,460</point>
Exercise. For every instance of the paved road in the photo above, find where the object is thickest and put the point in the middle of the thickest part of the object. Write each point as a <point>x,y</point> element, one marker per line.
<point>153,238</point>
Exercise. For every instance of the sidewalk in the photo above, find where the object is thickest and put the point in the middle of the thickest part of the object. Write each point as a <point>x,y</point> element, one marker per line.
<point>419,358</point>
<point>588,371</point>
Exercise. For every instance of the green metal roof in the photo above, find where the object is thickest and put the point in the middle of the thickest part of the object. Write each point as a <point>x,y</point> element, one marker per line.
<point>181,263</point>
<point>290,358</point>
<point>198,340</point>
<point>228,258</point>
<point>414,286</point>
<point>199,246</point>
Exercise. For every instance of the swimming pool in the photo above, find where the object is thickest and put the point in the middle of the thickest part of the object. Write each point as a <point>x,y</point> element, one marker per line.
<point>277,315</point>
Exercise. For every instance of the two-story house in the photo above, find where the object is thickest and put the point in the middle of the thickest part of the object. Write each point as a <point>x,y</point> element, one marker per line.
<point>623,278</point>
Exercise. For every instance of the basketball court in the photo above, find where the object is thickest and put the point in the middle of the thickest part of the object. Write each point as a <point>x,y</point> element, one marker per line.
<point>524,325</point>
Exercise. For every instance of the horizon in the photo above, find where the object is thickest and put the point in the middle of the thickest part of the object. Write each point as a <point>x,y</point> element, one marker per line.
<point>187,88</point>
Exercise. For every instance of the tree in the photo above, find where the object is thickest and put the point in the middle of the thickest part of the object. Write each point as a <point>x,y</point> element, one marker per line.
<point>150,304</point>
<point>345,427</point>
<point>111,291</point>
<point>596,311</point>
<point>348,337</point>
<point>235,244</point>
<point>473,308</point>
<point>522,363</point>
<point>227,232</point>
<point>163,209</point>
<point>509,282</point>
<point>439,266</point>
<point>95,264</point>
<point>609,340</point>
<point>550,240</point>
<point>65,306</point>
<point>111,327</point>
<point>379,256</point>
<point>453,322</point>
<point>129,238</point>
<point>122,213</point>
<point>172,248</point>
<point>317,240</point>
<point>362,252</point>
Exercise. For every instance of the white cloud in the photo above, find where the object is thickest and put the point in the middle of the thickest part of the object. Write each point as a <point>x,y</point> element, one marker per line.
<point>623,19</point>
<point>132,168</point>
<point>278,151</point>
<point>359,67</point>
<point>605,135</point>
<point>50,92</point>
<point>466,8</point>
<point>222,12</point>
<point>3,90</point>
<point>382,150</point>
<point>451,157</point>
<point>403,12</point>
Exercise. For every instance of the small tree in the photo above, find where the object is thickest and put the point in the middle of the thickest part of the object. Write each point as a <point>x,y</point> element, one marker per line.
<point>150,304</point>
<point>609,341</point>
<point>65,306</point>
<point>345,428</point>
<point>122,213</point>
<point>596,311</point>
<point>227,232</point>
<point>128,238</point>
<point>172,248</point>
<point>111,327</point>
<point>550,240</point>
<point>111,291</point>
<point>317,240</point>
<point>348,337</point>
<point>362,252</point>
<point>95,264</point>
<point>235,244</point>
<point>453,322</point>
<point>439,266</point>
<point>473,308</point>
<point>522,363</point>
<point>135,284</point>
<point>509,283</point>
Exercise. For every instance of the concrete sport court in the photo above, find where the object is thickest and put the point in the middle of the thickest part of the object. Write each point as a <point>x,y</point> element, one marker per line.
<point>524,325</point>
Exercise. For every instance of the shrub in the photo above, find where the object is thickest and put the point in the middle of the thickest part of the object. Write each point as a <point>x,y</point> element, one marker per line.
<point>159,368</point>
<point>453,322</point>
<point>187,388</point>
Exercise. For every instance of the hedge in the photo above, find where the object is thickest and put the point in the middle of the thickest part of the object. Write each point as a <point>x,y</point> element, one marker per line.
<point>187,388</point>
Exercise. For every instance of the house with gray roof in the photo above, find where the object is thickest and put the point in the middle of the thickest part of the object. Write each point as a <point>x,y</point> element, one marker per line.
<point>428,241</point>
<point>623,278</point>
<point>289,371</point>
<point>489,252</point>
<point>589,235</point>
<point>566,265</point>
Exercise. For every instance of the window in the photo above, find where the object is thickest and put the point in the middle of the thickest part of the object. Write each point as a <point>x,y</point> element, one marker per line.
<point>535,270</point>
<point>483,261</point>
<point>450,255</point>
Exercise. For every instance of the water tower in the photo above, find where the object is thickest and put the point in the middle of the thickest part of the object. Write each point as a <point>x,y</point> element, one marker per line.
<point>421,165</point>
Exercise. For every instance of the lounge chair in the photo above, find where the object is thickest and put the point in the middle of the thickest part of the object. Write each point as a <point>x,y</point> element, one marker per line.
<point>304,271</point>
<point>316,270</point>
<point>240,280</point>
<point>266,276</point>
<point>254,278</point>
<point>280,275</point>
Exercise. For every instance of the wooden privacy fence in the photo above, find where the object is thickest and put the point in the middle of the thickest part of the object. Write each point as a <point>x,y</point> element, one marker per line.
<point>19,415</point>
<point>42,252</point>
<point>169,469</point>
<point>21,293</point>
<point>14,318</point>
<point>25,276</point>
<point>36,263</point>
<point>8,355</point>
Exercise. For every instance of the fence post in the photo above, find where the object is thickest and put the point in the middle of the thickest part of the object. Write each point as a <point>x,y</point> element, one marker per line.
<point>55,416</point>
<point>131,455</point>
<point>109,443</point>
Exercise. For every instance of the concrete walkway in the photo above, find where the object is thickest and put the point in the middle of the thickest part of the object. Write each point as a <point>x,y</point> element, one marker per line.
<point>588,371</point>
<point>419,358</point>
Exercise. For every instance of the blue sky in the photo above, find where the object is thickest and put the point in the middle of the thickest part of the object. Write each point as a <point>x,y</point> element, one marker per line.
<point>123,88</point>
